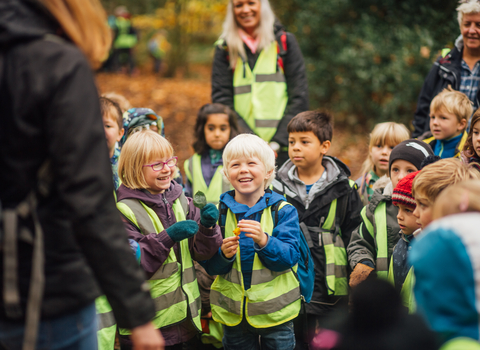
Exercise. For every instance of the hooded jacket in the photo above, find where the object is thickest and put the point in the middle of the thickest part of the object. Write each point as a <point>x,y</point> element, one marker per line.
<point>50,111</point>
<point>445,71</point>
<point>156,247</point>
<point>312,207</point>
<point>295,76</point>
<point>362,247</point>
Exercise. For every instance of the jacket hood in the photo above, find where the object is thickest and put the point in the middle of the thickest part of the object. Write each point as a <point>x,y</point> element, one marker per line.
<point>146,197</point>
<point>24,20</point>
<point>446,262</point>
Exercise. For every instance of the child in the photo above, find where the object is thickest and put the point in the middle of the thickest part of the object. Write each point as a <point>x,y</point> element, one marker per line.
<point>372,242</point>
<point>449,114</point>
<point>471,149</point>
<point>138,119</point>
<point>216,125</point>
<point>400,273</point>
<point>328,206</point>
<point>445,258</point>
<point>170,230</point>
<point>383,138</point>
<point>432,180</point>
<point>113,125</point>
<point>256,293</point>
<point>120,99</point>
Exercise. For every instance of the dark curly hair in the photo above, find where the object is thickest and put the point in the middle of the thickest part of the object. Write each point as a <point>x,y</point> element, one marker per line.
<point>468,148</point>
<point>200,144</point>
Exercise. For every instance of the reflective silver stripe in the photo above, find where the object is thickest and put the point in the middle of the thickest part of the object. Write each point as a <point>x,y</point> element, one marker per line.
<point>105,320</point>
<point>189,275</point>
<point>273,305</point>
<point>265,275</point>
<point>382,264</point>
<point>330,269</point>
<point>144,222</point>
<point>244,89</point>
<point>232,306</point>
<point>275,77</point>
<point>165,271</point>
<point>327,238</point>
<point>166,300</point>
<point>233,276</point>
<point>195,306</point>
<point>266,123</point>
<point>340,271</point>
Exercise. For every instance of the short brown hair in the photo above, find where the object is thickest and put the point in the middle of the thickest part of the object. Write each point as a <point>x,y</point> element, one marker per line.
<point>140,149</point>
<point>111,109</point>
<point>318,122</point>
<point>454,102</point>
<point>436,177</point>
<point>460,198</point>
<point>468,147</point>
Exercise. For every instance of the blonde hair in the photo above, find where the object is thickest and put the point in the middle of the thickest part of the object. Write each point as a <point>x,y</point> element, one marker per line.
<point>85,23</point>
<point>460,198</point>
<point>121,100</point>
<point>141,148</point>
<point>436,177</point>
<point>453,102</point>
<point>388,133</point>
<point>248,145</point>
<point>231,36</point>
<point>466,8</point>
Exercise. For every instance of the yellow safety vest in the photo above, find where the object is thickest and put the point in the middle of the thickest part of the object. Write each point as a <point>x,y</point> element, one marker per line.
<point>260,96</point>
<point>218,185</point>
<point>174,286</point>
<point>459,147</point>
<point>106,324</point>
<point>273,298</point>
<point>461,343</point>
<point>406,293</point>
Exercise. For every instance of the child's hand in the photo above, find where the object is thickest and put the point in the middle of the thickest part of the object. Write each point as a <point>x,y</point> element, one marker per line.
<point>254,230</point>
<point>230,246</point>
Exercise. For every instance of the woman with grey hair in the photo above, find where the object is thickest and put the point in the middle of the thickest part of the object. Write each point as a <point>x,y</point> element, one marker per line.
<point>258,70</point>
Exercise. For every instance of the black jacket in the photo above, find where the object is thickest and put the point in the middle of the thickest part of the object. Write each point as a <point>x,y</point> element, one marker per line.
<point>295,76</point>
<point>336,186</point>
<point>49,109</point>
<point>445,71</point>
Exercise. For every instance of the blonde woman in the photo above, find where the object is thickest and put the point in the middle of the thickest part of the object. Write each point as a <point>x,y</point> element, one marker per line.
<point>258,70</point>
<point>50,112</point>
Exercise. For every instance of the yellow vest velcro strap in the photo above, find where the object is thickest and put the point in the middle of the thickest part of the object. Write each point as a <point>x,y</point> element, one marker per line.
<point>105,320</point>
<point>275,77</point>
<point>382,264</point>
<point>224,302</point>
<point>164,301</point>
<point>165,271</point>
<point>265,276</point>
<point>244,89</point>
<point>273,305</point>
<point>266,123</point>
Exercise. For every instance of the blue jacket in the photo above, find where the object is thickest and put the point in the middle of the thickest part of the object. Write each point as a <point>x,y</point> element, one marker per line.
<point>282,249</point>
<point>447,272</point>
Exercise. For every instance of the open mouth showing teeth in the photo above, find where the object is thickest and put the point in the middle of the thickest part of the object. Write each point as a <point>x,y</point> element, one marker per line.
<point>245,180</point>
<point>163,178</point>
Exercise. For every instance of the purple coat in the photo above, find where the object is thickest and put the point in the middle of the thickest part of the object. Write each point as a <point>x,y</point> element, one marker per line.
<point>156,247</point>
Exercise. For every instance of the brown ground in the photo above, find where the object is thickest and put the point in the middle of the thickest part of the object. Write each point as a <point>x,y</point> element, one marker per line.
<point>177,100</point>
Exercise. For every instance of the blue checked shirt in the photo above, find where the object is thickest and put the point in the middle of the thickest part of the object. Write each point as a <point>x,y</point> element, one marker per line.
<point>469,82</point>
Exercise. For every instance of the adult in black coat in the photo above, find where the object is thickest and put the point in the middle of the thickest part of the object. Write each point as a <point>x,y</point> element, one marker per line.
<point>249,29</point>
<point>49,111</point>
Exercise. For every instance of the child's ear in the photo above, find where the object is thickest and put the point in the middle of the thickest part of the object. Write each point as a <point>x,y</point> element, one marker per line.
<point>462,124</point>
<point>324,147</point>
<point>120,134</point>
<point>268,174</point>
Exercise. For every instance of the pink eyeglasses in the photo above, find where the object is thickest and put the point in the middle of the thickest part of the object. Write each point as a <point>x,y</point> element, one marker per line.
<point>160,165</point>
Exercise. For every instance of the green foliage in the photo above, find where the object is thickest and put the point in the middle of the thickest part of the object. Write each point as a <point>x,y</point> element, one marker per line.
<point>366,60</point>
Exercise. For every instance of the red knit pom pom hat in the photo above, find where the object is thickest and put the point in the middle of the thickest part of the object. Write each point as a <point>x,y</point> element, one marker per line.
<point>402,194</point>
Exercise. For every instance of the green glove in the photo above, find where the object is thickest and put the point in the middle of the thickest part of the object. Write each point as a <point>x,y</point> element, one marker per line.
<point>181,230</point>
<point>209,215</point>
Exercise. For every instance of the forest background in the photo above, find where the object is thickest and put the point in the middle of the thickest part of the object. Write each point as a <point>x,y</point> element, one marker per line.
<point>366,59</point>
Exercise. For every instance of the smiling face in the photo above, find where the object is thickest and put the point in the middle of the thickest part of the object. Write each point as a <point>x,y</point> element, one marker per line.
<point>217,131</point>
<point>470,30</point>
<point>445,125</point>
<point>400,168</point>
<point>247,175</point>
<point>380,155</point>
<point>158,181</point>
<point>406,220</point>
<point>305,149</point>
<point>423,211</point>
<point>247,14</point>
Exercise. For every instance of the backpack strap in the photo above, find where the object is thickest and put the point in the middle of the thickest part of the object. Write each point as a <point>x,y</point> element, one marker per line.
<point>222,217</point>
<point>342,204</point>
<point>281,49</point>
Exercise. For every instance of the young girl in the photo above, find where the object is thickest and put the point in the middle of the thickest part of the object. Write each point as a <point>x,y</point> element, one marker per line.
<point>216,125</point>
<point>171,233</point>
<point>383,138</point>
<point>471,150</point>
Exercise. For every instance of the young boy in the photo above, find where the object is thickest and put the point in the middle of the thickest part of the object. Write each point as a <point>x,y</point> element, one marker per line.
<point>113,125</point>
<point>256,293</point>
<point>449,114</point>
<point>400,273</point>
<point>329,207</point>
<point>373,241</point>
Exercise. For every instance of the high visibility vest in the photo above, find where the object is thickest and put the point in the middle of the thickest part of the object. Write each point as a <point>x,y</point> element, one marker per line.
<point>379,235</point>
<point>218,185</point>
<point>431,141</point>
<point>125,39</point>
<point>173,286</point>
<point>406,293</point>
<point>215,334</point>
<point>461,343</point>
<point>273,298</point>
<point>260,96</point>
<point>106,324</point>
